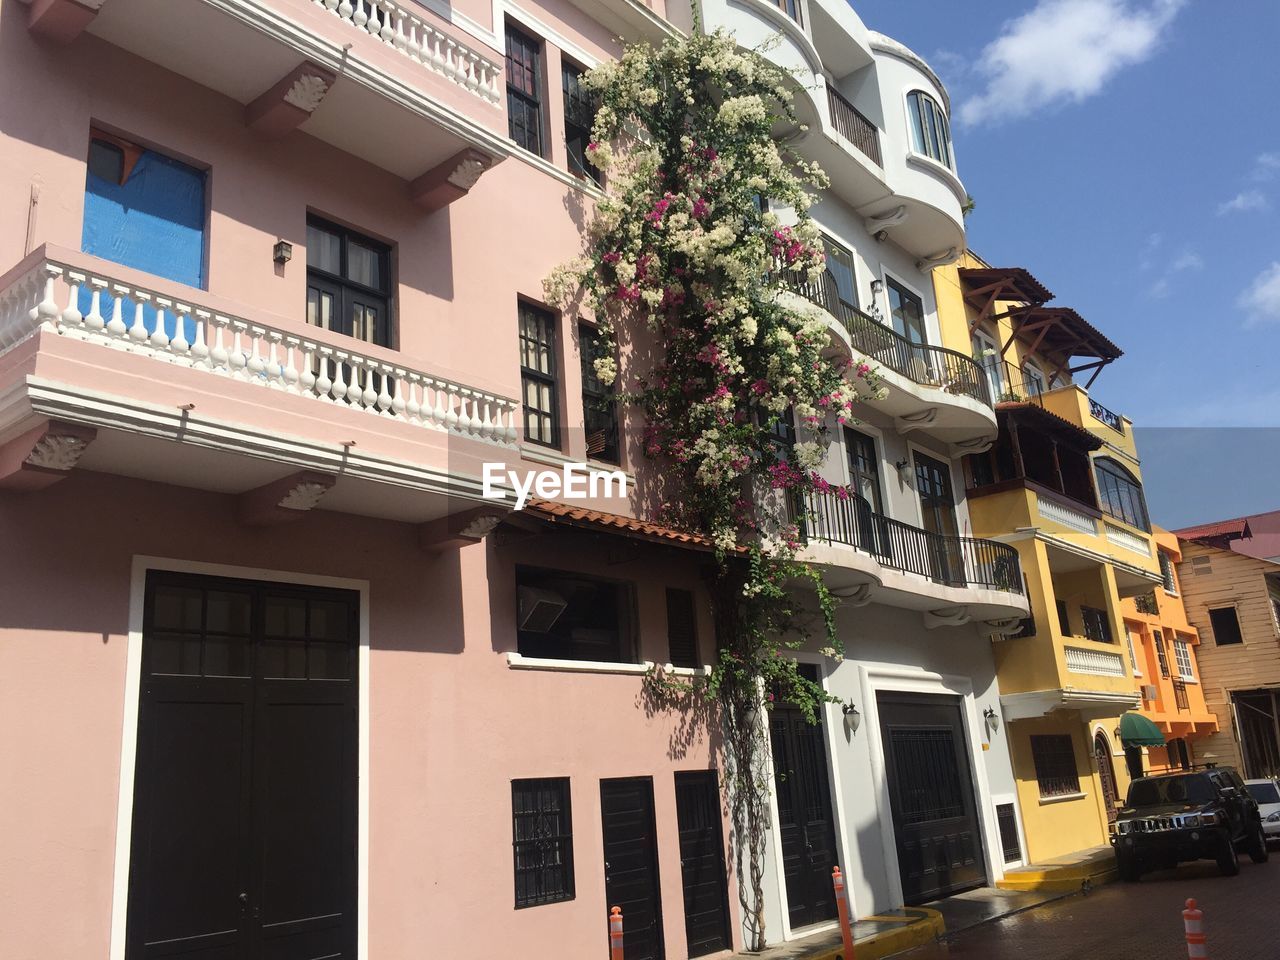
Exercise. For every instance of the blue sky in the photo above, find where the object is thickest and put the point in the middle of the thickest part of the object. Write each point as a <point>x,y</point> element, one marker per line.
<point>1127,152</point>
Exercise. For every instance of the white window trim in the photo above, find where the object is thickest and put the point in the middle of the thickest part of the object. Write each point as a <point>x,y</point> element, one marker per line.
<point>1133,651</point>
<point>518,661</point>
<point>1181,651</point>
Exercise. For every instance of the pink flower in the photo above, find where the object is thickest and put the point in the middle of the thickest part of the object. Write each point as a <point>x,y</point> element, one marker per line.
<point>700,208</point>
<point>612,257</point>
<point>760,387</point>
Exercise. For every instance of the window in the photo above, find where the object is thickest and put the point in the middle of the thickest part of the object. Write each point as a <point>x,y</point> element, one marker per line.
<point>682,628</point>
<point>538,376</point>
<point>782,434</point>
<point>1097,626</point>
<point>987,353</point>
<point>841,273</point>
<point>1162,655</point>
<point>1032,378</point>
<point>790,7</point>
<point>1135,642</point>
<point>1121,493</point>
<point>907,312</point>
<point>1055,763</point>
<point>864,477</point>
<point>579,115</point>
<point>1064,618</point>
<point>1275,612</point>
<point>144,210</point>
<point>542,841</point>
<point>573,616</point>
<point>348,287</point>
<point>599,413</point>
<point>524,90</point>
<point>1166,572</point>
<point>1226,626</point>
<point>930,134</point>
<point>1182,653</point>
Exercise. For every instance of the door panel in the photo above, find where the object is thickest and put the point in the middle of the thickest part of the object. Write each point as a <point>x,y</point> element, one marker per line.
<point>245,795</point>
<point>631,864</point>
<point>806,824</point>
<point>935,821</point>
<point>1107,774</point>
<point>938,517</point>
<point>702,869</point>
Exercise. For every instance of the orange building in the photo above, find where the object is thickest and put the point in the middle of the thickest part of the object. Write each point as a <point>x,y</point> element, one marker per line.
<point>1163,651</point>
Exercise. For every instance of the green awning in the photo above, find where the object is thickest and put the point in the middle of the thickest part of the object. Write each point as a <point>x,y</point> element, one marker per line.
<point>1137,731</point>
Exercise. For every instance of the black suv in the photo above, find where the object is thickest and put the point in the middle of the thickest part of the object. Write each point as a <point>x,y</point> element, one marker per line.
<point>1173,818</point>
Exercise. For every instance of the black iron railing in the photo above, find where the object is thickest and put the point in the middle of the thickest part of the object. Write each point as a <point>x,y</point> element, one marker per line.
<point>929,366</point>
<point>845,517</point>
<point>853,126</point>
<point>1103,415</point>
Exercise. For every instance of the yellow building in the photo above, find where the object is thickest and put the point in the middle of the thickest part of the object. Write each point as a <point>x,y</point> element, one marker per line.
<point>1063,485</point>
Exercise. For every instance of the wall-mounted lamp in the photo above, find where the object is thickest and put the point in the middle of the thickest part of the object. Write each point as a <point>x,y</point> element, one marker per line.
<point>877,288</point>
<point>282,252</point>
<point>852,718</point>
<point>992,718</point>
<point>903,467</point>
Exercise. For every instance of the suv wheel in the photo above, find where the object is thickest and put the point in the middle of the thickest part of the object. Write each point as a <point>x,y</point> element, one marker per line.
<point>1257,848</point>
<point>1228,864</point>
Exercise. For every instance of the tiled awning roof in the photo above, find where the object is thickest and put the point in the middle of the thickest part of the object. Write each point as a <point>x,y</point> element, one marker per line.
<point>1062,330</point>
<point>1003,283</point>
<point>1051,421</point>
<point>584,518</point>
<point>1223,529</point>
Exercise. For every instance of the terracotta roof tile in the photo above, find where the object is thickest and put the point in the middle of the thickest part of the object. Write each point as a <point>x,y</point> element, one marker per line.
<point>1231,529</point>
<point>584,517</point>
<point>1087,439</point>
<point>1017,280</point>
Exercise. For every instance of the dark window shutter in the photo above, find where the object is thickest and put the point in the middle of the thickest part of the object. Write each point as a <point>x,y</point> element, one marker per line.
<point>682,631</point>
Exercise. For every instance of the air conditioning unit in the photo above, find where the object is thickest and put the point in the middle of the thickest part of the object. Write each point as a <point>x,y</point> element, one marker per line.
<point>1149,691</point>
<point>540,609</point>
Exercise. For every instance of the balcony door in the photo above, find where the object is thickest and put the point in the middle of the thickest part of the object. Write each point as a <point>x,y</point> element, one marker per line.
<point>938,518</point>
<point>841,280</point>
<point>864,477</point>
<point>348,286</point>
<point>987,353</point>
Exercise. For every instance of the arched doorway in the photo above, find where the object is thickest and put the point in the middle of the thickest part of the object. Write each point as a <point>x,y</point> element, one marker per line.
<point>1107,773</point>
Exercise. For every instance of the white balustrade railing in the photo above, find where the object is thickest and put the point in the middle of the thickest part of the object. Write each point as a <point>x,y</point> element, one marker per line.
<point>419,41</point>
<point>96,308</point>
<point>1129,540</point>
<point>1068,517</point>
<point>1097,663</point>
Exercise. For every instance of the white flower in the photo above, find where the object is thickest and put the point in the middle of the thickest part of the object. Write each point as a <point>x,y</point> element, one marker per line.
<point>606,369</point>
<point>809,454</point>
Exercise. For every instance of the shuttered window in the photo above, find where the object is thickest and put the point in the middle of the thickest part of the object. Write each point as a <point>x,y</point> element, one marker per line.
<point>682,631</point>
<point>1166,572</point>
<point>1055,763</point>
<point>1162,654</point>
<point>542,839</point>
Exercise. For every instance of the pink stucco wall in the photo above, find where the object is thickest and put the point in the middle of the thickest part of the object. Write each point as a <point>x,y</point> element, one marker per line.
<point>450,723</point>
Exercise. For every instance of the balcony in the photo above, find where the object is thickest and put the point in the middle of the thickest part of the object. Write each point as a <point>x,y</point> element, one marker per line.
<point>166,382</point>
<point>381,80</point>
<point>930,388</point>
<point>904,565</point>
<point>849,122</point>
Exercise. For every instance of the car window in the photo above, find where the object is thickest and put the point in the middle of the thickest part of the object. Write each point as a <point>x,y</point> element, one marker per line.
<point>1194,788</point>
<point>1264,792</point>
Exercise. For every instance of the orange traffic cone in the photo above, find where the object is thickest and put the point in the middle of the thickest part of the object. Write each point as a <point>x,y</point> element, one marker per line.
<point>842,907</point>
<point>1193,921</point>
<point>615,934</point>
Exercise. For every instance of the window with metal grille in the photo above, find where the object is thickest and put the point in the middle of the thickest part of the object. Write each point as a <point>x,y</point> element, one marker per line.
<point>1010,845</point>
<point>538,375</point>
<point>542,841</point>
<point>524,90</point>
<point>1166,572</point>
<point>1097,626</point>
<point>1055,763</point>
<point>682,628</point>
<point>579,116</point>
<point>1226,626</point>
<point>1162,655</point>
<point>1182,653</point>
<point>599,409</point>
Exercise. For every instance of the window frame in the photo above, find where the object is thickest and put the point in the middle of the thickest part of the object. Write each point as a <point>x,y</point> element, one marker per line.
<point>1235,628</point>
<point>1126,487</point>
<point>986,353</point>
<point>1031,371</point>
<point>1096,620</point>
<point>1167,573</point>
<point>345,290</point>
<point>1182,656</point>
<point>627,625</point>
<point>905,293</point>
<point>563,840</point>
<point>549,379</point>
<point>598,398</point>
<point>531,99</point>
<point>1129,634</point>
<point>837,252</point>
<point>1048,749</point>
<point>930,129</point>
<point>574,127</point>
<point>1162,654</point>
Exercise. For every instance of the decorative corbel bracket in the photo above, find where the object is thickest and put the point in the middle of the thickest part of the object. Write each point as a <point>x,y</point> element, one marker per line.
<point>978,445</point>
<point>289,103</point>
<point>880,222</point>
<point>915,421</point>
<point>950,255</point>
<point>1002,629</point>
<point>858,596</point>
<point>451,180</point>
<point>955,617</point>
<point>61,20</point>
<point>458,529</point>
<point>283,500</point>
<point>43,456</point>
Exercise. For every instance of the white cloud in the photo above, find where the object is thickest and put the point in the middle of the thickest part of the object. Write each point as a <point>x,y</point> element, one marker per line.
<point>1243,202</point>
<point>1187,260</point>
<point>1266,167</point>
<point>1262,300</point>
<point>1064,51</point>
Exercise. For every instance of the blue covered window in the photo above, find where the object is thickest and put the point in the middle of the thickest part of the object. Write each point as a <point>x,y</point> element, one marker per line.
<point>144,210</point>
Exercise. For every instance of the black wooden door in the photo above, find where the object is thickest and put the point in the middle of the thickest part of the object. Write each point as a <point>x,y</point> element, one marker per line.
<point>938,517</point>
<point>706,897</point>
<point>935,820</point>
<point>631,864</point>
<point>244,820</point>
<point>805,821</point>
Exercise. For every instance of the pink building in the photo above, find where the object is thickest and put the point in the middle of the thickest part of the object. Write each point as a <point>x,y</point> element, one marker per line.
<point>277,678</point>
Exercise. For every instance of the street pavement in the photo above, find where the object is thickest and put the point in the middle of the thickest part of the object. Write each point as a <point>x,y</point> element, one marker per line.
<point>1136,921</point>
